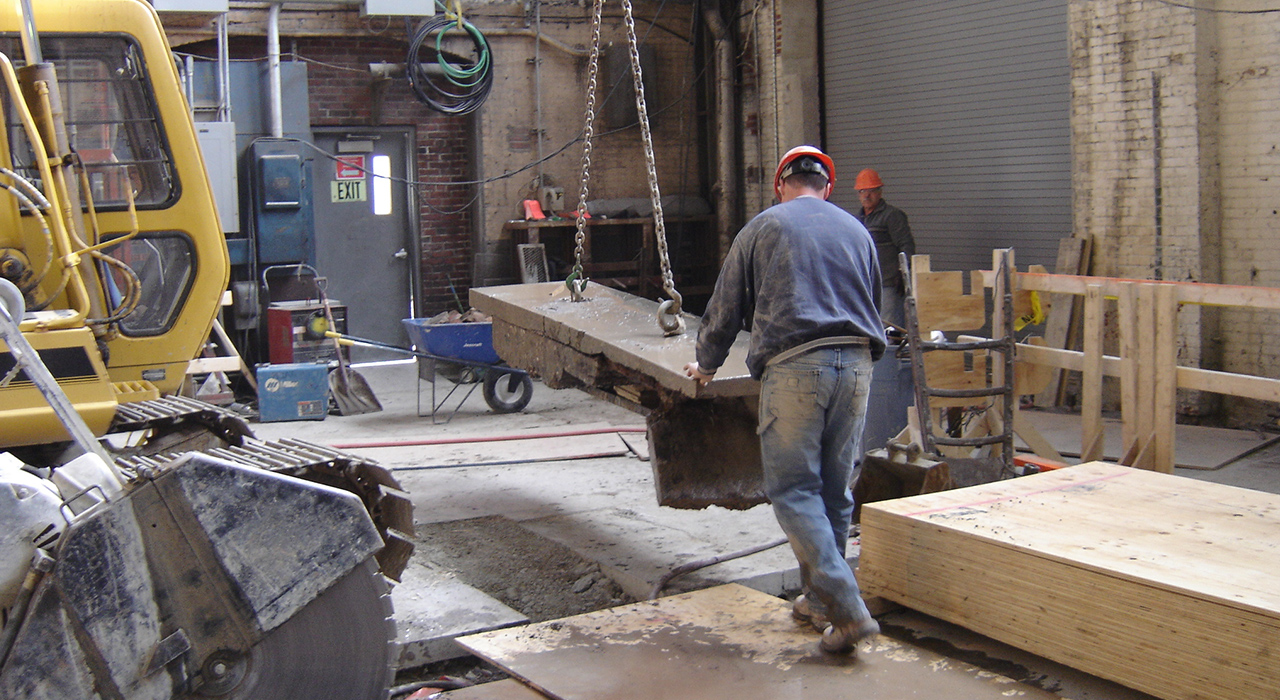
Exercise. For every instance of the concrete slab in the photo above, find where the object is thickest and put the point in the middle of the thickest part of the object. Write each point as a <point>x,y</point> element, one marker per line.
<point>610,343</point>
<point>432,608</point>
<point>620,327</point>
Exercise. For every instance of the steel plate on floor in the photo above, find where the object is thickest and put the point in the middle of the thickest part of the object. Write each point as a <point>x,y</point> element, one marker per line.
<point>723,643</point>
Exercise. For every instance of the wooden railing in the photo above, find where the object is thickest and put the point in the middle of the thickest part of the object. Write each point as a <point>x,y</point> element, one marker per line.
<point>1147,367</point>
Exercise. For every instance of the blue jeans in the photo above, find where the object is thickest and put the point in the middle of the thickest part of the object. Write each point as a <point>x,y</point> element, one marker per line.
<point>812,411</point>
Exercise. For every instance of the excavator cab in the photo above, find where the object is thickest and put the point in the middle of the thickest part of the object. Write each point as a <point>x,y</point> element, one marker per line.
<point>112,235</point>
<point>152,574</point>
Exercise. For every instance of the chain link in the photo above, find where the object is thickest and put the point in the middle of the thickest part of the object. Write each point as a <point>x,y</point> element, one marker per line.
<point>577,280</point>
<point>669,310</point>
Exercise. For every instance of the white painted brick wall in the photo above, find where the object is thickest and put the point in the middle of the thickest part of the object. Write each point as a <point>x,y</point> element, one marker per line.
<point>1219,77</point>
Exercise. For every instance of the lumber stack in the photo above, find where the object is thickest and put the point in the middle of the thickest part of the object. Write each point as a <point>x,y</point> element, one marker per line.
<point>1165,584</point>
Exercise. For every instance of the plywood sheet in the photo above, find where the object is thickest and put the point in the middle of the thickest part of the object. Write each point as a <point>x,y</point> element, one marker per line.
<point>1195,446</point>
<point>620,327</point>
<point>1166,584</point>
<point>724,643</point>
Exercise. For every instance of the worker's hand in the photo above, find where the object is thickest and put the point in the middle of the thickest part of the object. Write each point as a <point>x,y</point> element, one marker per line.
<point>693,370</point>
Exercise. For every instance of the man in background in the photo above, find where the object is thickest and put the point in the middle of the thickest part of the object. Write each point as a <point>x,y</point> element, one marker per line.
<point>891,232</point>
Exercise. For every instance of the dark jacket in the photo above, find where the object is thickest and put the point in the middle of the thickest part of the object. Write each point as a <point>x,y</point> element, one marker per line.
<point>891,232</point>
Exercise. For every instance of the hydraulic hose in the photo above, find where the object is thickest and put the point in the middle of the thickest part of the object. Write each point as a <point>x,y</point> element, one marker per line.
<point>461,89</point>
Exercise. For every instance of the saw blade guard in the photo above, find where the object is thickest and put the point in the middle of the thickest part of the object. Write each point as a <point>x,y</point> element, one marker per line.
<point>210,579</point>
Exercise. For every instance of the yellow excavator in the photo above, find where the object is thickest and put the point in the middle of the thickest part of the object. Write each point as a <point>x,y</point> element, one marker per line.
<point>190,560</point>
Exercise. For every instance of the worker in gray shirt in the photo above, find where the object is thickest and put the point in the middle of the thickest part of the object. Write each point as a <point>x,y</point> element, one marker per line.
<point>803,278</point>
<point>889,228</point>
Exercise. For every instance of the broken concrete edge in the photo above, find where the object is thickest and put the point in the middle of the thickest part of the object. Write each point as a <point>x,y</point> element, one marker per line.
<point>626,333</point>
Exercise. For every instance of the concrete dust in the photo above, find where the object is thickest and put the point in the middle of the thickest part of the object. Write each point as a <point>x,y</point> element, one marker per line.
<point>540,578</point>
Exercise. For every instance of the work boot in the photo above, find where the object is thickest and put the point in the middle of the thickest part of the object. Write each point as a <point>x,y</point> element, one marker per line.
<point>843,639</point>
<point>802,610</point>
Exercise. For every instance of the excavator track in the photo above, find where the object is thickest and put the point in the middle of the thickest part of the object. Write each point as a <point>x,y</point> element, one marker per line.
<point>387,503</point>
<point>175,421</point>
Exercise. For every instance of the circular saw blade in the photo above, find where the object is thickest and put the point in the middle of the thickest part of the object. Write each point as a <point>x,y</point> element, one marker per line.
<point>341,645</point>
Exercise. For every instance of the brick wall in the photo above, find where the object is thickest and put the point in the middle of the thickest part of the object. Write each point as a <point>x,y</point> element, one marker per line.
<point>1175,166</point>
<point>343,94</point>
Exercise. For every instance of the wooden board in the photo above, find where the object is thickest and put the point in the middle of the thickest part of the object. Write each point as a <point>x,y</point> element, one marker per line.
<point>1197,446</point>
<point>619,327</point>
<point>1073,259</point>
<point>1165,584</point>
<point>723,643</point>
<point>506,689</point>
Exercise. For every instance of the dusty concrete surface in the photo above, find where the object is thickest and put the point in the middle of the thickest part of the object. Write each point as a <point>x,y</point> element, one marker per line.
<point>534,515</point>
<point>564,521</point>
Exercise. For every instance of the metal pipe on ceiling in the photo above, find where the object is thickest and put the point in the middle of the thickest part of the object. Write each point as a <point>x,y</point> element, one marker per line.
<point>725,188</point>
<point>276,107</point>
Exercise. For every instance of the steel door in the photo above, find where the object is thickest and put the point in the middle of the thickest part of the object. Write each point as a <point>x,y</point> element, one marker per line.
<point>366,226</point>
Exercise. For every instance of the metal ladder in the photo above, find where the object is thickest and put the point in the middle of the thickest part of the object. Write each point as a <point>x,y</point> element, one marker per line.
<point>999,379</point>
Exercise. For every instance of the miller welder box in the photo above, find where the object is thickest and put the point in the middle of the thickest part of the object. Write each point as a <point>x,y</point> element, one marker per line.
<point>293,392</point>
<point>286,332</point>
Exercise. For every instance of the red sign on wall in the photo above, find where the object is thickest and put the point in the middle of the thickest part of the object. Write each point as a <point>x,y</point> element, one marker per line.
<point>349,168</point>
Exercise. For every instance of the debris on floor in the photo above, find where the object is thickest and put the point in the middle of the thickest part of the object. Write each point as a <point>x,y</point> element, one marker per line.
<point>541,578</point>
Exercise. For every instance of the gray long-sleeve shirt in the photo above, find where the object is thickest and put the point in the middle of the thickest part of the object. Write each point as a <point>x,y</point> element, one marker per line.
<point>797,272</point>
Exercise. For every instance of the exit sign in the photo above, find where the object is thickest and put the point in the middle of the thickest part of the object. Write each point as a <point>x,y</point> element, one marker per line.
<point>348,191</point>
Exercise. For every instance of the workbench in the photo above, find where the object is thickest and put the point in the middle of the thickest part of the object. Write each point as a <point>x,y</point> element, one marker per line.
<point>622,252</point>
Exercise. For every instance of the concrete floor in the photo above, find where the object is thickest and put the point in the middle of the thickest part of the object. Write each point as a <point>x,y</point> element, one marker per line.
<point>593,494</point>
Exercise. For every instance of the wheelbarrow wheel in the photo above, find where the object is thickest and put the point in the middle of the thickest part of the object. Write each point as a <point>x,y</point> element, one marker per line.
<point>506,391</point>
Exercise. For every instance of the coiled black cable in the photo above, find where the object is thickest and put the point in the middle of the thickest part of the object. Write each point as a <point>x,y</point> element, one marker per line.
<point>461,89</point>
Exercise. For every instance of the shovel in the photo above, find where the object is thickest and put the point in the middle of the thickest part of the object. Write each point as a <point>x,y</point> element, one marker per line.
<point>350,390</point>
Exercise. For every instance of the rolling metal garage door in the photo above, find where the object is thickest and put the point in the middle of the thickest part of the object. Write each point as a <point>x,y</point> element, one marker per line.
<point>963,109</point>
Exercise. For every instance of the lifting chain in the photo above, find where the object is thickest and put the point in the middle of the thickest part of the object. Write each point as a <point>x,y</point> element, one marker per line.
<point>669,318</point>
<point>577,280</point>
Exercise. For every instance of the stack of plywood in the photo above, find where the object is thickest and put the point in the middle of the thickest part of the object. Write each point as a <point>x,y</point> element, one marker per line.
<point>1161,583</point>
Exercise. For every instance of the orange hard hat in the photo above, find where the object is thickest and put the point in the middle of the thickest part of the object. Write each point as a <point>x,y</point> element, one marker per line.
<point>797,152</point>
<point>868,179</point>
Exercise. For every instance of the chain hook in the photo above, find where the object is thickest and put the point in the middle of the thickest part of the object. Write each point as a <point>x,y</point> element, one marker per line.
<point>669,318</point>
<point>577,284</point>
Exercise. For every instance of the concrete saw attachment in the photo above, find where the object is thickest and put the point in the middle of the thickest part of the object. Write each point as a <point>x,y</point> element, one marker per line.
<point>210,579</point>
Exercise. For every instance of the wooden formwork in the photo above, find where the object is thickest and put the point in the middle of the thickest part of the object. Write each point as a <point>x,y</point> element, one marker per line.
<point>1147,364</point>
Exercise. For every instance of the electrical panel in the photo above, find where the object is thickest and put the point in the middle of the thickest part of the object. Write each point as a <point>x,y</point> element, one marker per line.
<point>284,220</point>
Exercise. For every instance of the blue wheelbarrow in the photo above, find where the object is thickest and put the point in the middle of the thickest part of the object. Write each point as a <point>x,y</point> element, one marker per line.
<point>460,352</point>
<point>463,353</point>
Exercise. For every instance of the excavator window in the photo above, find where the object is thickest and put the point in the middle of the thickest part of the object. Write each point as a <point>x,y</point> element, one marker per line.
<point>164,263</point>
<point>112,119</point>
